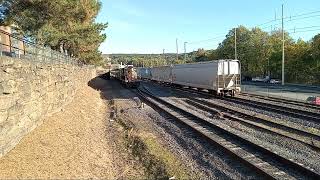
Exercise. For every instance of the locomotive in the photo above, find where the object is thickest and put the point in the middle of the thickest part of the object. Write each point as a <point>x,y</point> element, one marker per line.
<point>127,75</point>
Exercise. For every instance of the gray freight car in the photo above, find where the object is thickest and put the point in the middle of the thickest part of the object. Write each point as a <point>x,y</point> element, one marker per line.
<point>219,76</point>
<point>144,73</point>
<point>162,74</point>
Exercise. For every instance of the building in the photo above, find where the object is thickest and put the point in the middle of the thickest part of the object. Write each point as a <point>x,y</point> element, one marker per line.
<point>10,45</point>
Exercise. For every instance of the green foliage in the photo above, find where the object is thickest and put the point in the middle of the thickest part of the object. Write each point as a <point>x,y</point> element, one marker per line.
<point>64,25</point>
<point>260,54</point>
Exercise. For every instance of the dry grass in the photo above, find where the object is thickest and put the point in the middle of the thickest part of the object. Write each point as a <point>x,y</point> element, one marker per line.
<point>75,143</point>
<point>158,162</point>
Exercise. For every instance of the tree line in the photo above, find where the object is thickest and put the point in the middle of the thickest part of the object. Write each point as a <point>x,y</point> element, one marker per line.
<point>260,54</point>
<point>67,26</point>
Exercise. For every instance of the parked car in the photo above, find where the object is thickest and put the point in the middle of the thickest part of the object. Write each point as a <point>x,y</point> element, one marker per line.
<point>275,81</point>
<point>313,100</point>
<point>261,79</point>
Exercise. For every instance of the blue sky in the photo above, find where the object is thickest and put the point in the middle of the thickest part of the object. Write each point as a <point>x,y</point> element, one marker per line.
<point>149,26</point>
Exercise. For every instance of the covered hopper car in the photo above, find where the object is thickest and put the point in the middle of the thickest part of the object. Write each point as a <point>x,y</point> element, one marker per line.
<point>144,73</point>
<point>220,76</point>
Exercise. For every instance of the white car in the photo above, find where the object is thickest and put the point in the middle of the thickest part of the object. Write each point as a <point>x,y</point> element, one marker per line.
<point>275,81</point>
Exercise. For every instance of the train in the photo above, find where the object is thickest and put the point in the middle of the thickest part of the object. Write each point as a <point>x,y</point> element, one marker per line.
<point>127,75</point>
<point>220,77</point>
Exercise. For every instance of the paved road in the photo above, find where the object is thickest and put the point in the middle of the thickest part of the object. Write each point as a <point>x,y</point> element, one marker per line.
<point>288,91</point>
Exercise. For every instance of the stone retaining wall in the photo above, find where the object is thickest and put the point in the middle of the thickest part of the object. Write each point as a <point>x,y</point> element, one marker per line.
<point>29,92</point>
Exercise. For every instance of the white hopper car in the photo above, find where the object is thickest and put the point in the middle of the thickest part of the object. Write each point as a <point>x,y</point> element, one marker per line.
<point>144,73</point>
<point>219,76</point>
<point>161,74</point>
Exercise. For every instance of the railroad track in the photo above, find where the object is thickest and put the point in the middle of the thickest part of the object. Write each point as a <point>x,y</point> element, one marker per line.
<point>293,112</point>
<point>268,164</point>
<point>288,111</point>
<point>257,121</point>
<point>287,101</point>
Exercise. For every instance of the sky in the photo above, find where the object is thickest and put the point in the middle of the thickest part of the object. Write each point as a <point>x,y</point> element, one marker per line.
<point>149,26</point>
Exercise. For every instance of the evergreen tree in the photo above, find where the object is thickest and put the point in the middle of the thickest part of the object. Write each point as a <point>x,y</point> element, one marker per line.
<point>63,25</point>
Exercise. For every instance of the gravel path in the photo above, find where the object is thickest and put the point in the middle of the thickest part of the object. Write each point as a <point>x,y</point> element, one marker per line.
<point>76,143</point>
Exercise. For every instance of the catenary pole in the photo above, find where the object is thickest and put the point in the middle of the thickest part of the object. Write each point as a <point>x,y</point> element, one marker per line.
<point>177,47</point>
<point>164,56</point>
<point>235,44</point>
<point>282,48</point>
<point>185,51</point>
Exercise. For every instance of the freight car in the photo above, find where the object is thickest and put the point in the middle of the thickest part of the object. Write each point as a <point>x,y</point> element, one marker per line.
<point>221,77</point>
<point>143,73</point>
<point>127,75</point>
<point>162,74</point>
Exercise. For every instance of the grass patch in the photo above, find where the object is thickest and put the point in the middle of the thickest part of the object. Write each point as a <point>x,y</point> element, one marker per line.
<point>154,167</point>
<point>173,165</point>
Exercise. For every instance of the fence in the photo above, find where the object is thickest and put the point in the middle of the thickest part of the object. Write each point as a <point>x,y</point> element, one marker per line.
<point>14,46</point>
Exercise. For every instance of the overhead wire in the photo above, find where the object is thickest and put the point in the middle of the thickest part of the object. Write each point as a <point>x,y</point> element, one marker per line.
<point>272,26</point>
<point>207,40</point>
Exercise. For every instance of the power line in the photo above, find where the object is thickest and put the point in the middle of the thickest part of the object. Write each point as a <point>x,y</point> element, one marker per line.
<point>209,46</point>
<point>290,18</point>
<point>207,40</point>
<point>303,18</point>
<point>300,28</point>
<point>272,27</point>
<point>304,14</point>
<point>304,31</point>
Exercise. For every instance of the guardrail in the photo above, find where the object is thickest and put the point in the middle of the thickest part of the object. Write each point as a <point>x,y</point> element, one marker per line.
<point>17,47</point>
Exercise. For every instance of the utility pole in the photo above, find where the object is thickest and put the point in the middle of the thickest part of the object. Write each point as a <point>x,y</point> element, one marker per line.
<point>235,44</point>
<point>282,48</point>
<point>185,51</point>
<point>164,56</point>
<point>177,47</point>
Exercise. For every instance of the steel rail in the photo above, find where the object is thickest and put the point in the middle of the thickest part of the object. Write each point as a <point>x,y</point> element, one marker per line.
<point>287,101</point>
<point>255,121</point>
<point>296,113</point>
<point>195,122</point>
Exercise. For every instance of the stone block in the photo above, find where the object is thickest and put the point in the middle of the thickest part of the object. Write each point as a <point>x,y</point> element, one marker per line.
<point>5,76</point>
<point>16,109</point>
<point>6,61</point>
<point>9,87</point>
<point>6,101</point>
<point>9,70</point>
<point>3,116</point>
<point>30,91</point>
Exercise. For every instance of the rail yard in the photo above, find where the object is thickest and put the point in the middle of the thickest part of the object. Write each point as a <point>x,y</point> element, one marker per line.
<point>270,137</point>
<point>163,90</point>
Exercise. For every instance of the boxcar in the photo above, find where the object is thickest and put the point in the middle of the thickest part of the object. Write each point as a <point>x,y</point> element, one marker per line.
<point>220,76</point>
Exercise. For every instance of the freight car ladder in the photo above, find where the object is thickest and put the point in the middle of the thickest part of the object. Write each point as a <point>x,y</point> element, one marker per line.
<point>230,82</point>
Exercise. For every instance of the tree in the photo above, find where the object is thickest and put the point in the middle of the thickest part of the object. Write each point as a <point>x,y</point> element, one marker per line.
<point>200,55</point>
<point>64,25</point>
<point>315,53</point>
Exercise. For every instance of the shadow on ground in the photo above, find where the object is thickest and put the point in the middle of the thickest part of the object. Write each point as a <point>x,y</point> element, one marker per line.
<point>110,89</point>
